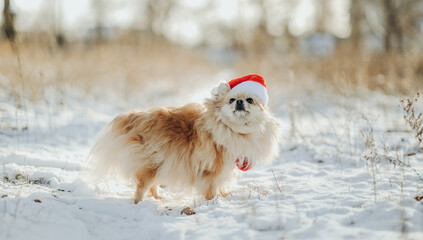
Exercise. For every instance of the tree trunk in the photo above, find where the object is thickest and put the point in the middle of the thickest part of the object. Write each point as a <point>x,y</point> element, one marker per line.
<point>356,16</point>
<point>389,23</point>
<point>8,27</point>
<point>393,31</point>
<point>99,15</point>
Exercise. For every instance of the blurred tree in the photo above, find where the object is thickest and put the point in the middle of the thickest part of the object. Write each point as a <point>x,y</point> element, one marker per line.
<point>8,27</point>
<point>261,40</point>
<point>356,19</point>
<point>323,12</point>
<point>291,40</point>
<point>401,21</point>
<point>252,43</point>
<point>99,15</point>
<point>58,31</point>
<point>157,11</point>
<point>149,23</point>
<point>392,28</point>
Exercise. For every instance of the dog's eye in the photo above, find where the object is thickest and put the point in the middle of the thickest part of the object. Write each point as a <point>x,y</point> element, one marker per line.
<point>231,100</point>
<point>250,100</point>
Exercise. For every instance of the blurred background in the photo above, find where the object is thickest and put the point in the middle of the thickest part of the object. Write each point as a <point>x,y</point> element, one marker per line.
<point>342,45</point>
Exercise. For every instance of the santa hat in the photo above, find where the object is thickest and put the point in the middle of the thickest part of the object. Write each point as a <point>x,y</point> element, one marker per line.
<point>252,83</point>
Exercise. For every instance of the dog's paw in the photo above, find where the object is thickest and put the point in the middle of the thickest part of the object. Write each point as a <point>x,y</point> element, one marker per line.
<point>209,196</point>
<point>225,194</point>
<point>221,89</point>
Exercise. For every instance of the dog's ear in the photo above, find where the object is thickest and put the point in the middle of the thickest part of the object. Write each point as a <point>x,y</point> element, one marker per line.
<point>221,89</point>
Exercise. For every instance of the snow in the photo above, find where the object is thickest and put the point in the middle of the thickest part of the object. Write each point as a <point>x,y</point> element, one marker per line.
<point>320,186</point>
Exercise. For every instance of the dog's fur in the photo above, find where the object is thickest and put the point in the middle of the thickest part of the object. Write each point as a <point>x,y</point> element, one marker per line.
<point>196,145</point>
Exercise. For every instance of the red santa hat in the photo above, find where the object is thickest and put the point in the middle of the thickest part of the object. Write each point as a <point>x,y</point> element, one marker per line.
<point>252,83</point>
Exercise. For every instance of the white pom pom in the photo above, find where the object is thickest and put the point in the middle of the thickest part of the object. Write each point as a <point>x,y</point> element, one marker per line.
<point>223,88</point>
<point>214,91</point>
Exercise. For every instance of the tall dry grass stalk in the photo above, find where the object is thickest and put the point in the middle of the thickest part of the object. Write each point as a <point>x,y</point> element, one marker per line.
<point>412,117</point>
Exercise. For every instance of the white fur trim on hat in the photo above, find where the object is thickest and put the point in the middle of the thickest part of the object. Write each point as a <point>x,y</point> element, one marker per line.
<point>255,88</point>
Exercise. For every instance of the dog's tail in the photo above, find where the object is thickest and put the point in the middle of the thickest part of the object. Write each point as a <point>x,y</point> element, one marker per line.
<point>113,154</point>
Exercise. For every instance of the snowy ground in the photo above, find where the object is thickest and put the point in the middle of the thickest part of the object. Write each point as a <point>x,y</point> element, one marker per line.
<point>320,187</point>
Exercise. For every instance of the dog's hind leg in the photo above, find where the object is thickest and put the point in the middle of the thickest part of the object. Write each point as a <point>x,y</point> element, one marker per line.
<point>153,191</point>
<point>145,177</point>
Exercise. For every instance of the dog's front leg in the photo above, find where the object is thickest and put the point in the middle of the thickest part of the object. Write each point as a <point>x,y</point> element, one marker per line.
<point>211,191</point>
<point>224,194</point>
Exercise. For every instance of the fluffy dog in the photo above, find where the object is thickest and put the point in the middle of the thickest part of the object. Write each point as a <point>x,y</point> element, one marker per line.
<point>196,145</point>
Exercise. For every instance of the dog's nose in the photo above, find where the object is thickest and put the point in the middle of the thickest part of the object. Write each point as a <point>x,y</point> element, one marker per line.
<point>239,105</point>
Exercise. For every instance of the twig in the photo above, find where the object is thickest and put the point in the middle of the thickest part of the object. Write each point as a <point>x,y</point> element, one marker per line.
<point>277,184</point>
<point>374,181</point>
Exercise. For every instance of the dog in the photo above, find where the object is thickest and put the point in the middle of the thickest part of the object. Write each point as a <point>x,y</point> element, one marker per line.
<point>198,146</point>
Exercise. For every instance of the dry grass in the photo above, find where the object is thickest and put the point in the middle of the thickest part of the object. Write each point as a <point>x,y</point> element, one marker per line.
<point>412,118</point>
<point>391,73</point>
<point>37,63</point>
<point>345,70</point>
<point>28,67</point>
<point>374,156</point>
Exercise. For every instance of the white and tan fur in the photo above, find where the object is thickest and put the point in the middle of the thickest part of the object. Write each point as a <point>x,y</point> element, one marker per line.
<point>191,146</point>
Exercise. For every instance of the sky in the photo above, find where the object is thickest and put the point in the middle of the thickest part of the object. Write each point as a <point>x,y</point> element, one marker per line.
<point>185,23</point>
